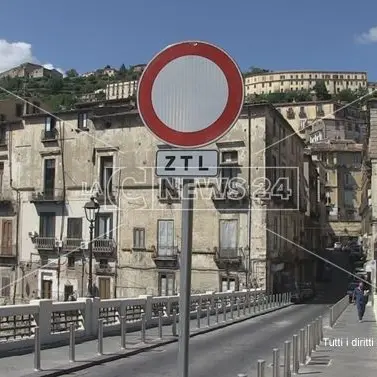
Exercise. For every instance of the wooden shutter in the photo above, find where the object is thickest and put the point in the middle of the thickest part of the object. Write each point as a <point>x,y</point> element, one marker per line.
<point>74,227</point>
<point>6,237</point>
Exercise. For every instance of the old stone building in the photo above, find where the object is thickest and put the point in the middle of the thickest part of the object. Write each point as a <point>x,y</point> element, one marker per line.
<point>247,223</point>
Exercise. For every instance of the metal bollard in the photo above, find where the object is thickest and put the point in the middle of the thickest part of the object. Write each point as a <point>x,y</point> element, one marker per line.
<point>295,358</point>
<point>160,324</point>
<point>321,327</point>
<point>319,331</point>
<point>123,332</point>
<point>261,368</point>
<point>100,337</point>
<point>249,303</point>
<point>287,358</point>
<point>198,317</point>
<point>231,309</point>
<point>244,306</point>
<point>174,324</point>
<point>302,346</point>
<point>143,327</point>
<point>314,340</point>
<point>254,303</point>
<point>208,315</point>
<point>308,340</point>
<point>37,349</point>
<point>331,317</point>
<point>71,342</point>
<point>224,311</point>
<point>238,308</point>
<point>217,312</point>
<point>316,332</point>
<point>275,362</point>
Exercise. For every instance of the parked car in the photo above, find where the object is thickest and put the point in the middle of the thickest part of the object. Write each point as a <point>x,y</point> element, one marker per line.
<point>351,287</point>
<point>307,290</point>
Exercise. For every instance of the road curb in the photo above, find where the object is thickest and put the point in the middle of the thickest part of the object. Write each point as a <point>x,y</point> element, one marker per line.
<point>122,355</point>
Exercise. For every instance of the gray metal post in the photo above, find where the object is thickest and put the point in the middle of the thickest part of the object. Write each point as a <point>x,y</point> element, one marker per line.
<point>302,346</point>
<point>224,310</point>
<point>295,359</point>
<point>308,340</point>
<point>123,332</point>
<point>208,315</point>
<point>72,342</point>
<point>143,327</point>
<point>275,362</point>
<point>231,308</point>
<point>244,305</point>
<point>174,324</point>
<point>185,277</point>
<point>287,358</point>
<point>331,317</point>
<point>314,339</point>
<point>321,327</point>
<point>249,302</point>
<point>198,317</point>
<point>37,349</point>
<point>217,312</point>
<point>255,302</point>
<point>100,337</point>
<point>160,324</point>
<point>261,368</point>
<point>238,308</point>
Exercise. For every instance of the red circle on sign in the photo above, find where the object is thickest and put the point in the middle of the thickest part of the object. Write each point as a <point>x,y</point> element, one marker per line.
<point>215,130</point>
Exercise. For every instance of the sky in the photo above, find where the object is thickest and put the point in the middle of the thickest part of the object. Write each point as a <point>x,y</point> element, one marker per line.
<point>278,35</point>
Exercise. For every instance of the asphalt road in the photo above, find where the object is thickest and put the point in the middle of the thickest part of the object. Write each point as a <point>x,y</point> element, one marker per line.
<point>235,349</point>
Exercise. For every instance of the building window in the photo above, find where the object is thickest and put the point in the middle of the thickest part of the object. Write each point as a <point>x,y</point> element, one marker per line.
<point>165,242</point>
<point>50,128</point>
<point>47,225</point>
<point>106,174</point>
<point>6,237</point>
<point>5,286</point>
<point>19,109</point>
<point>229,166</point>
<point>71,261</point>
<point>104,288</point>
<point>228,240</point>
<point>74,228</point>
<point>139,238</point>
<point>46,289</point>
<point>68,292</point>
<point>166,284</point>
<point>49,177</point>
<point>104,226</point>
<point>104,263</point>
<point>229,283</point>
<point>82,121</point>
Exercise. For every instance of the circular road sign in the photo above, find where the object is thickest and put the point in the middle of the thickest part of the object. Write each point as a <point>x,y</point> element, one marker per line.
<point>190,94</point>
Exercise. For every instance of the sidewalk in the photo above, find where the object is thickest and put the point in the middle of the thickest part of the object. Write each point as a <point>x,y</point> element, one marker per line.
<point>55,361</point>
<point>348,349</point>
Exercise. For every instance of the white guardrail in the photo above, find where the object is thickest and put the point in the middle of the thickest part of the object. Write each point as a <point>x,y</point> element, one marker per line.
<point>54,320</point>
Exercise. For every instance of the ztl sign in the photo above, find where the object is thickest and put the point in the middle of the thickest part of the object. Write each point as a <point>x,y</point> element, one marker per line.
<point>186,163</point>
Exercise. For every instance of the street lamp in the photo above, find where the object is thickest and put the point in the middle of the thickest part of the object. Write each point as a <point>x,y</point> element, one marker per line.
<point>91,211</point>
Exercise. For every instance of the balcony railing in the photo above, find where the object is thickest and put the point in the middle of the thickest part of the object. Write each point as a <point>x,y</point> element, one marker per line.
<point>72,243</point>
<point>104,246</point>
<point>228,253</point>
<point>45,243</point>
<point>166,252</point>
<point>51,135</point>
<point>48,195</point>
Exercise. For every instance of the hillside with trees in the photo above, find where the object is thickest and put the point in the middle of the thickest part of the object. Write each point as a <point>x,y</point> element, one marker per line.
<point>65,93</point>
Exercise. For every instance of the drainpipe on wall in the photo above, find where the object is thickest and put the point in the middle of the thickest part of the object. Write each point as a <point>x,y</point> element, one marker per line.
<point>248,272</point>
<point>18,208</point>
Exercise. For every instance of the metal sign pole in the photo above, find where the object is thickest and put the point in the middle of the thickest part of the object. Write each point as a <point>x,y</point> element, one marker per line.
<point>185,278</point>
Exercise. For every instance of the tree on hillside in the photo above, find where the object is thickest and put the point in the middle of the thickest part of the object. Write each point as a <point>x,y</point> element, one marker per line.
<point>257,70</point>
<point>346,95</point>
<point>72,73</point>
<point>321,91</point>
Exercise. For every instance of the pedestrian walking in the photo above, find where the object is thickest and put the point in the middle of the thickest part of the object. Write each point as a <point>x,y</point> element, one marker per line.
<point>360,296</point>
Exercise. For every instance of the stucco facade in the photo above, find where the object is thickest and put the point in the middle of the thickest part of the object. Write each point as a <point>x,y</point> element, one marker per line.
<point>244,235</point>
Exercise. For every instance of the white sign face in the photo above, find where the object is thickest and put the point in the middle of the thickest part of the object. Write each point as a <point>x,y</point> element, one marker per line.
<point>187,163</point>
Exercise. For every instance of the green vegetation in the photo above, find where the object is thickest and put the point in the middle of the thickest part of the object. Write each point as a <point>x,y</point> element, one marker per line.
<point>64,93</point>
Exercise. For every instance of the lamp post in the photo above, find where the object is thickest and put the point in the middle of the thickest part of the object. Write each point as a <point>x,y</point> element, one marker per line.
<point>91,211</point>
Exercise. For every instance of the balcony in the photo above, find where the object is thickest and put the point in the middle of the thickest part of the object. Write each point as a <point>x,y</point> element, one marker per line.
<point>226,258</point>
<point>45,243</point>
<point>104,269</point>
<point>47,196</point>
<point>166,257</point>
<point>49,136</point>
<point>104,246</point>
<point>8,254</point>
<point>106,197</point>
<point>72,244</point>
